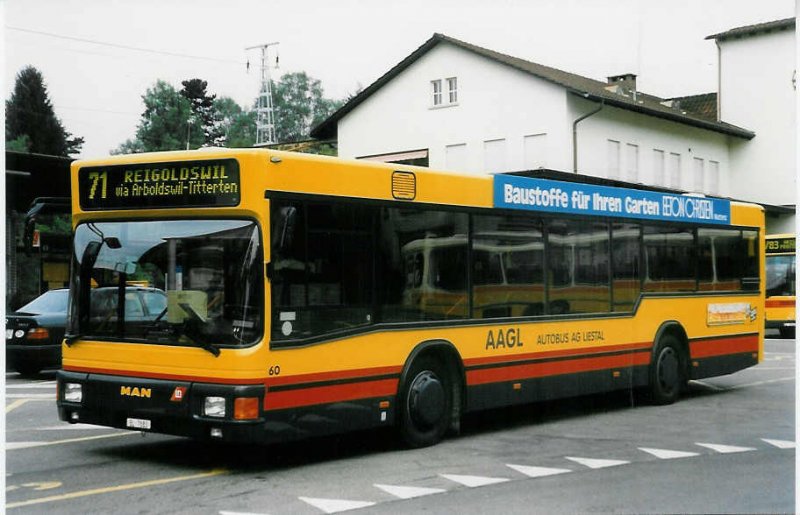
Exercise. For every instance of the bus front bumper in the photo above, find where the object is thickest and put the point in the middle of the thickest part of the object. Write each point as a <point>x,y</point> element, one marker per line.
<point>160,406</point>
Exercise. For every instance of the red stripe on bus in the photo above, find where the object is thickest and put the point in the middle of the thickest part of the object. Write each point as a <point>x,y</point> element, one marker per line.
<point>722,346</point>
<point>779,303</point>
<point>553,368</point>
<point>557,354</point>
<point>332,376</point>
<point>328,394</point>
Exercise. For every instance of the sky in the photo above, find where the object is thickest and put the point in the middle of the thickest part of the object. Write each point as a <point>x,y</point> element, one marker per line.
<point>98,57</point>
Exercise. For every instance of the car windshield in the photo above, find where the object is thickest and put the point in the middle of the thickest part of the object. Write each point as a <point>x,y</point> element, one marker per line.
<point>53,301</point>
<point>185,282</point>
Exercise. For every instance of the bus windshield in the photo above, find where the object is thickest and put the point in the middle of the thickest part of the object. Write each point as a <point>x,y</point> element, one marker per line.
<point>780,275</point>
<point>184,282</point>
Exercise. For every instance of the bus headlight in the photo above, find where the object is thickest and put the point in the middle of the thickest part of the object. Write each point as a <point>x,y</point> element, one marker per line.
<point>214,407</point>
<point>73,392</point>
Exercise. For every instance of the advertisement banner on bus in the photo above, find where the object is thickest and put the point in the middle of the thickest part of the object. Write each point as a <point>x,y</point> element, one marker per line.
<point>514,192</point>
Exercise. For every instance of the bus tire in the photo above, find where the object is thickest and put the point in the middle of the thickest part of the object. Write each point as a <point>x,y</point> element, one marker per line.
<point>426,403</point>
<point>667,371</point>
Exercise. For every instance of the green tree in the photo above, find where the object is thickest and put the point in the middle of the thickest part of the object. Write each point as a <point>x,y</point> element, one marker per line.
<point>299,105</point>
<point>237,126</point>
<point>205,115</point>
<point>166,123</point>
<point>31,123</point>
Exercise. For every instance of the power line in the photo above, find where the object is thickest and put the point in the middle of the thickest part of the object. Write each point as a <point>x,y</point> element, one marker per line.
<point>124,47</point>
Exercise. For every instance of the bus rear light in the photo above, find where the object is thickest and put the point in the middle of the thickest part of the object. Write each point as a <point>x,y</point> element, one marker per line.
<point>245,408</point>
<point>38,333</point>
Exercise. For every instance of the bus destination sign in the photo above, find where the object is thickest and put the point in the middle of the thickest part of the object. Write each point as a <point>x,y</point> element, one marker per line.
<point>785,245</point>
<point>207,183</point>
<point>514,192</point>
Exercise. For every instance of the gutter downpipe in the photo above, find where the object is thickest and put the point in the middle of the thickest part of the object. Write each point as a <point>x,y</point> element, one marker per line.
<point>575,133</point>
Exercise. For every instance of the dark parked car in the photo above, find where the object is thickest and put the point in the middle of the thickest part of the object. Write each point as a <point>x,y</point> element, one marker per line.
<point>34,333</point>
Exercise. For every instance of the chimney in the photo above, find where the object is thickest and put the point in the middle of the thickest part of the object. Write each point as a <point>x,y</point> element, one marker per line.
<point>624,84</point>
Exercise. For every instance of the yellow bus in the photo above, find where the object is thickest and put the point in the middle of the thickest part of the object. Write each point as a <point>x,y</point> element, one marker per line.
<point>781,278</point>
<point>299,295</point>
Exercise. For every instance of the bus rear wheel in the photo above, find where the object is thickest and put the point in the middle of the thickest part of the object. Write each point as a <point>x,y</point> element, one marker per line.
<point>667,371</point>
<point>426,401</point>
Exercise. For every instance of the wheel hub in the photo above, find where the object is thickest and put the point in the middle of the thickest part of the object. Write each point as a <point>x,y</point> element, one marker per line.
<point>426,400</point>
<point>668,369</point>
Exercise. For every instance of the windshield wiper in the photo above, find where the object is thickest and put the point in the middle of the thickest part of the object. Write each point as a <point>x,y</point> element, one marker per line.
<point>191,330</point>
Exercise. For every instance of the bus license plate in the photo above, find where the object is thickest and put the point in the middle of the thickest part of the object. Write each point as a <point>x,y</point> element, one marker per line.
<point>138,423</point>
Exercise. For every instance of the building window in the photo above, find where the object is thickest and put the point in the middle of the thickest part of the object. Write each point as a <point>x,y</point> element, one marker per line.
<point>613,159</point>
<point>455,157</point>
<point>437,92</point>
<point>494,156</point>
<point>674,170</point>
<point>535,151</point>
<point>452,89</point>
<point>699,174</point>
<point>713,177</point>
<point>632,162</point>
<point>658,167</point>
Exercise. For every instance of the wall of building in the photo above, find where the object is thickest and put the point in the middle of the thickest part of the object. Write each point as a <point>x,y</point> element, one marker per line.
<point>756,92</point>
<point>619,144</point>
<point>504,119</point>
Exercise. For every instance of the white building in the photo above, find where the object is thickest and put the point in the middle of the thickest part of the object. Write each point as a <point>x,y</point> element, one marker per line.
<point>453,105</point>
<point>757,90</point>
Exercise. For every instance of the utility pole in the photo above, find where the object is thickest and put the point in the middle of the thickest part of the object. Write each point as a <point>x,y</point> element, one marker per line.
<point>265,117</point>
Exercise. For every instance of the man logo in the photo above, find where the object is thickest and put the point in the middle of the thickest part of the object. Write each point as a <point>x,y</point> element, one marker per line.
<point>127,391</point>
<point>178,394</point>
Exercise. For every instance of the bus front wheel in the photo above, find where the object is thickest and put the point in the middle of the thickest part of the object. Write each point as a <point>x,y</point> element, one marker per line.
<point>667,371</point>
<point>426,401</point>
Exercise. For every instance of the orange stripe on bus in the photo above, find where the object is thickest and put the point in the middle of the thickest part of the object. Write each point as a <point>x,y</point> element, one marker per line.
<point>779,303</point>
<point>553,368</point>
<point>331,393</point>
<point>723,346</point>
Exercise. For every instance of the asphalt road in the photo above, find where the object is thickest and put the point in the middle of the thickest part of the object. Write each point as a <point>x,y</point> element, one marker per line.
<point>727,446</point>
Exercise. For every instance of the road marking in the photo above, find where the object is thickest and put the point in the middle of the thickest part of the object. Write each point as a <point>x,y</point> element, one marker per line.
<point>43,485</point>
<point>474,481</point>
<point>48,396</point>
<point>593,463</point>
<point>709,385</point>
<point>66,426</point>
<point>117,488</point>
<point>50,384</point>
<point>725,449</point>
<point>16,404</point>
<point>335,505</point>
<point>240,513</point>
<point>537,471</point>
<point>408,492</point>
<point>781,444</point>
<point>759,383</point>
<point>666,454</point>
<point>11,446</point>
